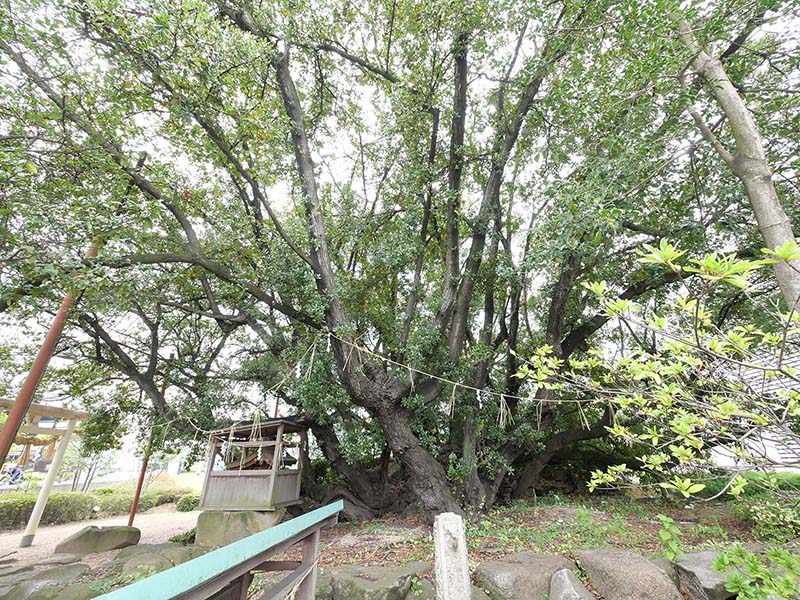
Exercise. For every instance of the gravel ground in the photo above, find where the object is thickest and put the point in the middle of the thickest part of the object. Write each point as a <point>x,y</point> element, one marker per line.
<point>157,526</point>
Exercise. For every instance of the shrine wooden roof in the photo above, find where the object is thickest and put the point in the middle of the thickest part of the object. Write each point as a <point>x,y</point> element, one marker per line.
<point>264,429</point>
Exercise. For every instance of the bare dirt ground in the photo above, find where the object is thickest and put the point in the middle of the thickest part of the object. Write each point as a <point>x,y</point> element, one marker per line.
<point>158,525</point>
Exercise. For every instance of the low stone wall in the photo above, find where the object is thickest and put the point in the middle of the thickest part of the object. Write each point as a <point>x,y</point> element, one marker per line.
<point>610,573</point>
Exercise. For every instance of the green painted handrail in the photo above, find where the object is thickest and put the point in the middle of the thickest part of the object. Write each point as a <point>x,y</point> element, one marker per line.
<point>186,576</point>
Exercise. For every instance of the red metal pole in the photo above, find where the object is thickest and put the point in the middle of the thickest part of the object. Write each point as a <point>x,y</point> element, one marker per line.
<point>135,504</point>
<point>17,413</point>
<point>146,459</point>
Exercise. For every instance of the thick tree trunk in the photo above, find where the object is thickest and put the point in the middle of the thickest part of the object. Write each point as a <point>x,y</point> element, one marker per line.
<point>362,483</point>
<point>474,489</point>
<point>748,163</point>
<point>533,469</point>
<point>426,477</point>
<point>455,170</point>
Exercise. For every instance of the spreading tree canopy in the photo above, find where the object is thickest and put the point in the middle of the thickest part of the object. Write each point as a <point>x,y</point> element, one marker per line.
<point>373,210</point>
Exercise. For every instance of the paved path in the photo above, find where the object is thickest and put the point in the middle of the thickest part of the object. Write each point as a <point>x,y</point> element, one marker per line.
<point>157,526</point>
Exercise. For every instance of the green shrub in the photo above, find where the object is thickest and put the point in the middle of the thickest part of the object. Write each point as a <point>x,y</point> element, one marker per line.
<point>168,496</point>
<point>62,507</point>
<point>117,503</point>
<point>759,485</point>
<point>188,502</point>
<point>775,522</point>
<point>146,502</point>
<point>165,496</point>
<point>750,576</point>
<point>187,537</point>
<point>15,507</point>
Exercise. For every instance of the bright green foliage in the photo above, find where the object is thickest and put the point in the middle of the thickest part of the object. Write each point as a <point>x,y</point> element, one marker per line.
<point>695,385</point>
<point>669,536</point>
<point>684,486</point>
<point>786,253</point>
<point>774,521</point>
<point>751,576</point>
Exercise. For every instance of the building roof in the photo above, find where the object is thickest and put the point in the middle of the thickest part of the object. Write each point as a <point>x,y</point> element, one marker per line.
<point>267,428</point>
<point>759,381</point>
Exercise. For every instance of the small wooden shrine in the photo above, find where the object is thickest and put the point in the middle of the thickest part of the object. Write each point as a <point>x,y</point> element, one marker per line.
<point>254,466</point>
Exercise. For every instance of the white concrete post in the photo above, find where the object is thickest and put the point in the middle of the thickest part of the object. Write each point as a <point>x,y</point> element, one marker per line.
<point>47,485</point>
<point>452,570</point>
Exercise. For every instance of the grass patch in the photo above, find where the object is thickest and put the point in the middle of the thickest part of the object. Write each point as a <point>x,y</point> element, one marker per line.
<point>565,526</point>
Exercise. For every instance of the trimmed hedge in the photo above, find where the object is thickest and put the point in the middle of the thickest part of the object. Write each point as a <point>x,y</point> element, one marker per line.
<point>188,503</point>
<point>114,504</point>
<point>16,507</point>
<point>62,507</point>
<point>119,502</point>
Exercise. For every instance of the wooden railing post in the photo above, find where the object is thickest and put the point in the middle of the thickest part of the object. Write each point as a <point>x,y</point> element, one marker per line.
<point>245,585</point>
<point>308,587</point>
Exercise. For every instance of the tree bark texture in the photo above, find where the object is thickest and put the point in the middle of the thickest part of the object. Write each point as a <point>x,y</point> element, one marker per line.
<point>748,162</point>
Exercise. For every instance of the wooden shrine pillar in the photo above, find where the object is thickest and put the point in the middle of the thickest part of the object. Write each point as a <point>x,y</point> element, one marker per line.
<point>47,485</point>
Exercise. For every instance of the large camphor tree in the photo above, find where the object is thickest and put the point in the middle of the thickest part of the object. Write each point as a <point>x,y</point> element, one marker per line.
<point>373,210</point>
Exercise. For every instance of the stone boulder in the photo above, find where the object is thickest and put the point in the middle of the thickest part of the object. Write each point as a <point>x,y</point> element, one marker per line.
<point>140,566</point>
<point>217,528</point>
<point>427,591</point>
<point>698,579</point>
<point>76,591</point>
<point>324,589</point>
<point>148,559</point>
<point>11,577</point>
<point>564,585</point>
<point>185,553</point>
<point>93,539</point>
<point>479,594</point>
<point>144,549</point>
<point>622,575</point>
<point>668,568</point>
<point>48,581</point>
<point>521,576</point>
<point>59,559</point>
<point>14,569</point>
<point>370,583</point>
<point>175,553</point>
